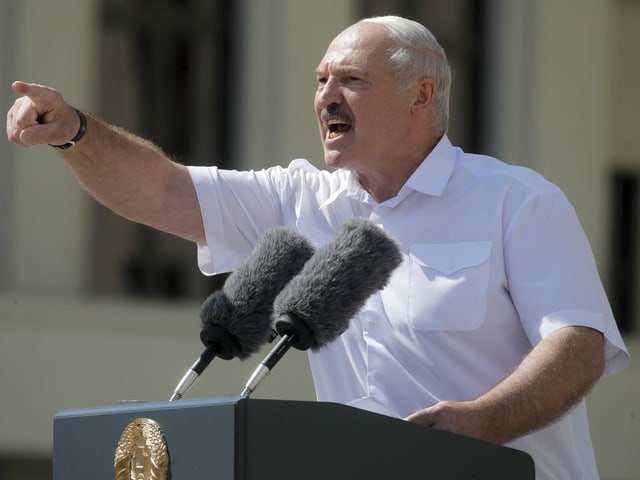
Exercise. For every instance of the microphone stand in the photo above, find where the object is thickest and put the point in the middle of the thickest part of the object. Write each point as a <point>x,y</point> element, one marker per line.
<point>219,343</point>
<point>267,364</point>
<point>294,332</point>
<point>194,373</point>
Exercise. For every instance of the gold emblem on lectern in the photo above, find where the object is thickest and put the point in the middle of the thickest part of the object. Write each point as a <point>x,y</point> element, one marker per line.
<point>142,452</point>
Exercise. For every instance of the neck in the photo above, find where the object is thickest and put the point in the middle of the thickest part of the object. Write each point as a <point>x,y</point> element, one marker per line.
<point>383,185</point>
<point>385,181</point>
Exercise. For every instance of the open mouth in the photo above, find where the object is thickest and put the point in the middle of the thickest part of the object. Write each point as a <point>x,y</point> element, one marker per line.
<point>337,127</point>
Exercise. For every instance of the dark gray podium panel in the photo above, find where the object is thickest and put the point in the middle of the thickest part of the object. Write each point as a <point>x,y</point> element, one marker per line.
<point>239,439</point>
<point>200,435</point>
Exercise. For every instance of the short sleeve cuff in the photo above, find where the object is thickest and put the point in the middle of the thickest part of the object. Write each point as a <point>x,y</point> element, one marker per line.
<point>615,351</point>
<point>203,182</point>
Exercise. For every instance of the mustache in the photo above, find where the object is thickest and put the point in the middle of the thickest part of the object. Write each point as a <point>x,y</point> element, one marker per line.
<point>336,111</point>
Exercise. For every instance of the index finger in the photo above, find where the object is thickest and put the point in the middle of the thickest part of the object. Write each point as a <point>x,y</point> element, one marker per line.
<point>37,93</point>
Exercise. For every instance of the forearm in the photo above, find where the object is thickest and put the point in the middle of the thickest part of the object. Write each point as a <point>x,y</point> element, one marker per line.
<point>549,381</point>
<point>555,375</point>
<point>126,173</point>
<point>133,177</point>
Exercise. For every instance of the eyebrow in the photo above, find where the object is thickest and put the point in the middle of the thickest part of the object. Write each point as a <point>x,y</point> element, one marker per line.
<point>340,70</point>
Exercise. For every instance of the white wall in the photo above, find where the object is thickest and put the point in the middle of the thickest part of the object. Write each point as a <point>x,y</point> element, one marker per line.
<point>572,92</point>
<point>550,98</point>
<point>625,105</point>
<point>287,39</point>
<point>614,416</point>
<point>53,44</point>
<point>614,405</point>
<point>61,352</point>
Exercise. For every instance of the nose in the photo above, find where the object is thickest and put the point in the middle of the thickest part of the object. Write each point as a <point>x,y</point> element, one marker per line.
<point>328,93</point>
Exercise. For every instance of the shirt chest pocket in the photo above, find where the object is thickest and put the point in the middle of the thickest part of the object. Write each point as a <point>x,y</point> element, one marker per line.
<point>448,285</point>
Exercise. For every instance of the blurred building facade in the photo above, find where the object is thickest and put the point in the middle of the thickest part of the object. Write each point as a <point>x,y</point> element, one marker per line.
<point>94,309</point>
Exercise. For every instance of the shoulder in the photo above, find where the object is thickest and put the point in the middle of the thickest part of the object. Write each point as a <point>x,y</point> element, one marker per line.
<point>490,169</point>
<point>517,189</point>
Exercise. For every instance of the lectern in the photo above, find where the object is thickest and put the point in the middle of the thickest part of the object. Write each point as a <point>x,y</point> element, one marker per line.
<point>236,438</point>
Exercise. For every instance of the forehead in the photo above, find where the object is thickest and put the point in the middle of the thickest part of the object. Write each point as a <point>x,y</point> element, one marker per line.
<point>363,46</point>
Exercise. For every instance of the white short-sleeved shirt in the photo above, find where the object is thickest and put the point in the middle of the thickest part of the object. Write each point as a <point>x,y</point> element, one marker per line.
<point>494,260</point>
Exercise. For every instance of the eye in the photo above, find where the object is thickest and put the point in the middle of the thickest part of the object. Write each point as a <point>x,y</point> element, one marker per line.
<point>355,81</point>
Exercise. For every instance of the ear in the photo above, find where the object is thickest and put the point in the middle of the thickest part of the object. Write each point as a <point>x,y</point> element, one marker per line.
<point>425,91</point>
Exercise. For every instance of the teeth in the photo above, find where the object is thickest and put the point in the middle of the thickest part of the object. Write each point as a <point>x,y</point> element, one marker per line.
<point>336,127</point>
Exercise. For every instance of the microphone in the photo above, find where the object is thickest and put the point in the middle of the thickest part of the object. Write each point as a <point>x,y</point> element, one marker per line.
<point>236,320</point>
<point>317,304</point>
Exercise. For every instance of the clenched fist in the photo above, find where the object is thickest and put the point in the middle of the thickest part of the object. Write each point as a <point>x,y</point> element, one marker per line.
<point>40,116</point>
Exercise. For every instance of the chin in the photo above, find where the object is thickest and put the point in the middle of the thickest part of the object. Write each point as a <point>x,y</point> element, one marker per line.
<point>332,162</point>
<point>335,159</point>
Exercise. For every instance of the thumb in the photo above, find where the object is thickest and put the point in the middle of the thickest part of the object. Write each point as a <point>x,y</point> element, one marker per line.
<point>423,417</point>
<point>39,134</point>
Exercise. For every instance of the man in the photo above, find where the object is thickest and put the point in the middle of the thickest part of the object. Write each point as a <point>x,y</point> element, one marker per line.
<point>494,326</point>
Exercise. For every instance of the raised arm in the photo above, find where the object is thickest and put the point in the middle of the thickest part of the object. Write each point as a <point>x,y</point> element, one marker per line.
<point>126,173</point>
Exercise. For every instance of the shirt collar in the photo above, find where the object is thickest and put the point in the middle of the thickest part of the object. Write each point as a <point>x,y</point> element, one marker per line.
<point>430,178</point>
<point>432,175</point>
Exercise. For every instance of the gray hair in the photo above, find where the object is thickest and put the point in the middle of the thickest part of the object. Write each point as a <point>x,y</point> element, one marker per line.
<point>416,55</point>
